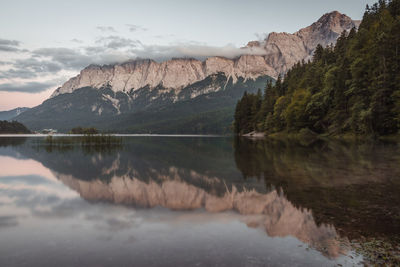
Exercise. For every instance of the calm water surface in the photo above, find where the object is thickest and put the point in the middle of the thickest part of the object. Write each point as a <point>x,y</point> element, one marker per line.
<point>187,201</point>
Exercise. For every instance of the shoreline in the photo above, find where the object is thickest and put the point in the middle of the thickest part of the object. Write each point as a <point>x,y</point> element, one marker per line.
<point>118,135</point>
<point>309,135</point>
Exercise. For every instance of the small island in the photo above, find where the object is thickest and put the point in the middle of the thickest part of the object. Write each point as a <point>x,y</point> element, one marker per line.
<point>13,127</point>
<point>82,130</point>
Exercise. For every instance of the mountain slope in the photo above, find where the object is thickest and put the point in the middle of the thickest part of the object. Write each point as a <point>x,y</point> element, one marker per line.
<point>211,112</point>
<point>9,114</point>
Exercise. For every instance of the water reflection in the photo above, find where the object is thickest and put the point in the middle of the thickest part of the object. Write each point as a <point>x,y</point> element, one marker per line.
<point>315,193</point>
<point>348,185</point>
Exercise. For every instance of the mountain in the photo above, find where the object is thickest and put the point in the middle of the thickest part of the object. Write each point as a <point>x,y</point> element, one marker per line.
<point>10,114</point>
<point>178,95</point>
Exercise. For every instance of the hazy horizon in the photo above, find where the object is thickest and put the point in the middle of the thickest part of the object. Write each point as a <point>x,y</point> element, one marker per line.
<point>47,42</point>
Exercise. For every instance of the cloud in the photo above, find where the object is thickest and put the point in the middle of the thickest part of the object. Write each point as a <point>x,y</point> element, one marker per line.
<point>164,36</point>
<point>6,48</point>
<point>75,40</point>
<point>116,42</point>
<point>37,65</point>
<point>30,68</point>
<point>194,51</point>
<point>77,59</point>
<point>17,73</point>
<point>9,42</point>
<point>67,57</point>
<point>106,29</point>
<point>261,36</point>
<point>28,87</point>
<point>135,28</point>
<point>9,45</point>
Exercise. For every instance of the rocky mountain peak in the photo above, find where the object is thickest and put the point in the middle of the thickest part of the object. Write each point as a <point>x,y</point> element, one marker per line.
<point>326,30</point>
<point>336,21</point>
<point>253,44</point>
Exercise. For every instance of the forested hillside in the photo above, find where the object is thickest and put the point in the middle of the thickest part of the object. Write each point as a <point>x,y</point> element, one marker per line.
<point>13,127</point>
<point>351,88</point>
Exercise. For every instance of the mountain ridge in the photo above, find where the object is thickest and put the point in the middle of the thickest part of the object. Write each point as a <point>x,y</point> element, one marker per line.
<point>12,113</point>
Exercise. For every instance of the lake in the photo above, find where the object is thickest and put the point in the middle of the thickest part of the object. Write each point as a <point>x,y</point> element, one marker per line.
<point>198,201</point>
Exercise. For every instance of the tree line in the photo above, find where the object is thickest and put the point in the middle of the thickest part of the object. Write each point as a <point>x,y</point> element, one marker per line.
<point>352,87</point>
<point>13,127</point>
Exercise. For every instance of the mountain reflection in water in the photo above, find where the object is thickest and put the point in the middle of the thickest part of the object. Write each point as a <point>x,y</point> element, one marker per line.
<point>323,194</point>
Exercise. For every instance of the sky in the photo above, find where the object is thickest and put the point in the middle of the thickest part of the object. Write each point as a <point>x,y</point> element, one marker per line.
<point>43,43</point>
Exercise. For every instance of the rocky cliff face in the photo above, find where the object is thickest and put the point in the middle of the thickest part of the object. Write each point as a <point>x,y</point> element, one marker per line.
<point>173,74</point>
<point>282,51</point>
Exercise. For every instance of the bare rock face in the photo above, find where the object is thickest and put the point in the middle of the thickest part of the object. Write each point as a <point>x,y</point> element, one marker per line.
<point>282,51</point>
<point>173,74</point>
<point>326,30</point>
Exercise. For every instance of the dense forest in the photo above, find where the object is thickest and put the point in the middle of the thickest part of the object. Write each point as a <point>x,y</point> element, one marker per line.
<point>13,127</point>
<point>350,88</point>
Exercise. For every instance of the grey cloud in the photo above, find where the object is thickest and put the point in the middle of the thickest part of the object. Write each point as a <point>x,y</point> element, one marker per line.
<point>160,36</point>
<point>134,28</point>
<point>6,48</point>
<point>17,73</point>
<point>95,49</point>
<point>261,36</point>
<point>37,65</point>
<point>75,59</point>
<point>115,42</point>
<point>106,52</point>
<point>106,29</point>
<point>76,41</point>
<point>115,49</point>
<point>9,42</point>
<point>194,51</point>
<point>67,57</point>
<point>30,68</point>
<point>29,87</point>
<point>9,45</point>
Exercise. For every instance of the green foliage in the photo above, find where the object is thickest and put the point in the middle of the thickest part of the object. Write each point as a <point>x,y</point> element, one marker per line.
<point>13,127</point>
<point>353,87</point>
